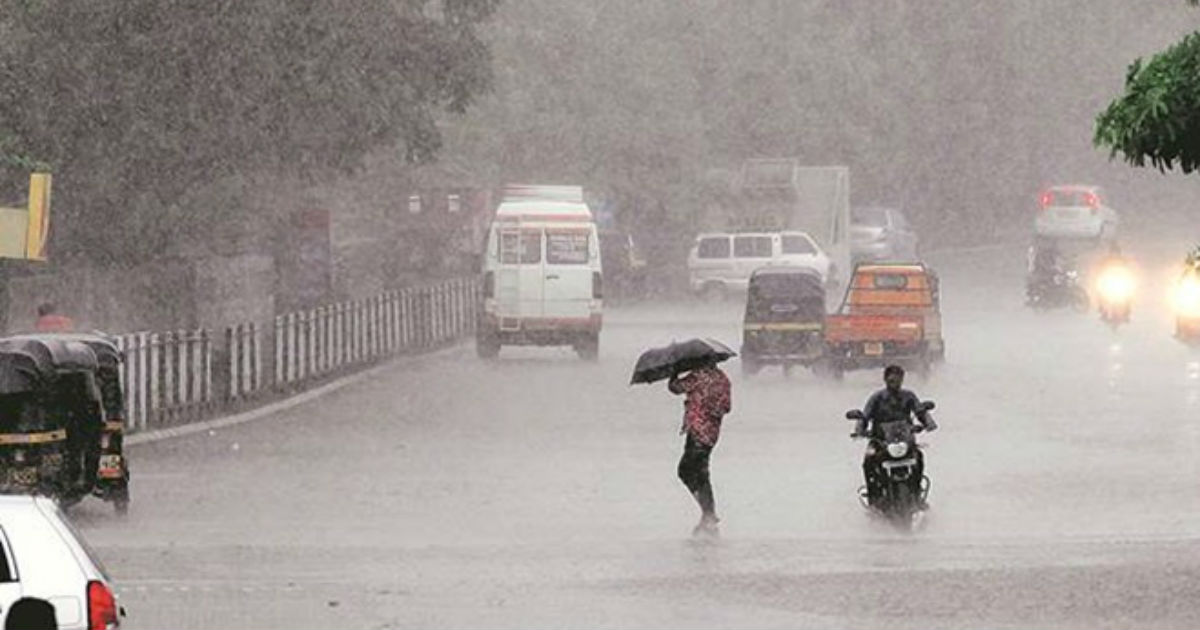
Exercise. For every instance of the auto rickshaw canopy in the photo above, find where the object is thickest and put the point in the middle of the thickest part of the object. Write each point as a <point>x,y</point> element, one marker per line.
<point>32,362</point>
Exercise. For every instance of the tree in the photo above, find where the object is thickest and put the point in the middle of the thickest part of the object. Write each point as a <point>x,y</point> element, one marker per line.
<point>134,103</point>
<point>1157,119</point>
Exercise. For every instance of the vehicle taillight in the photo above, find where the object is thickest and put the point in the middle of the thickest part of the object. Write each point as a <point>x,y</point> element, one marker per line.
<point>1047,199</point>
<point>489,285</point>
<point>597,286</point>
<point>102,607</point>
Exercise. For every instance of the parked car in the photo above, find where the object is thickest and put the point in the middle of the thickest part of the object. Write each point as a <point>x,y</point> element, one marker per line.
<point>1075,212</point>
<point>723,261</point>
<point>43,556</point>
<point>880,233</point>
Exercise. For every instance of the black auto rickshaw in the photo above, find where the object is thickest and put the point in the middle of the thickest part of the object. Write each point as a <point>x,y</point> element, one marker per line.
<point>51,417</point>
<point>111,466</point>
<point>785,319</point>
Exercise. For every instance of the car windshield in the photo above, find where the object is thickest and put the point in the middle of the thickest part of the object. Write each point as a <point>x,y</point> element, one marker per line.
<point>869,216</point>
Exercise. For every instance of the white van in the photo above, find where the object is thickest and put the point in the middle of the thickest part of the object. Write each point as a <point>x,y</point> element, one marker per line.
<point>542,280</point>
<point>723,261</point>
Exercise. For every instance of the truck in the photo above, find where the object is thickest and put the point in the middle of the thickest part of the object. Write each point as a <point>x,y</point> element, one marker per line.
<point>890,314</point>
<point>780,194</point>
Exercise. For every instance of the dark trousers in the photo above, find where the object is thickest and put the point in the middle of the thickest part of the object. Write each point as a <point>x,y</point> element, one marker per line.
<point>693,472</point>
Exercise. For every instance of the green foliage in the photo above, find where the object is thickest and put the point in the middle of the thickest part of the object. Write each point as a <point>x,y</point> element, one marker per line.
<point>137,102</point>
<point>1157,119</point>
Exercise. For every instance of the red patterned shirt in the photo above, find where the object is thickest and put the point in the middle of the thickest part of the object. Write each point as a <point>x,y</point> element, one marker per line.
<point>707,401</point>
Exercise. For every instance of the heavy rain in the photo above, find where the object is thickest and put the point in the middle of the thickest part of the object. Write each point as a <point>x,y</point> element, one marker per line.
<point>420,313</point>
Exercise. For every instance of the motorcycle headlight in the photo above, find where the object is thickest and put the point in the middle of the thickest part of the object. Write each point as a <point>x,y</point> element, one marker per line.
<point>1115,284</point>
<point>897,449</point>
<point>1187,297</point>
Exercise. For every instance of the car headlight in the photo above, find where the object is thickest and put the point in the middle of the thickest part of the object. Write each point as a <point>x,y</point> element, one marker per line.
<point>897,449</point>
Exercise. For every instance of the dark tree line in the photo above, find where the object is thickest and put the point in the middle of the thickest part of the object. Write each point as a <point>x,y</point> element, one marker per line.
<point>134,103</point>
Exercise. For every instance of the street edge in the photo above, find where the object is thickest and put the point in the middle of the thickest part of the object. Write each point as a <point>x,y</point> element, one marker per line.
<point>157,435</point>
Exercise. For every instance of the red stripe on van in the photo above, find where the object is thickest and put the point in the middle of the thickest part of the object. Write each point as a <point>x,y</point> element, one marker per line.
<point>549,218</point>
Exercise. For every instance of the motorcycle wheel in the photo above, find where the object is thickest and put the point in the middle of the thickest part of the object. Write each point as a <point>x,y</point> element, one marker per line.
<point>902,508</point>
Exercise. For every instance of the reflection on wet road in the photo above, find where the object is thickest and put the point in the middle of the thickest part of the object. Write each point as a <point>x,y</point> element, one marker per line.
<point>538,490</point>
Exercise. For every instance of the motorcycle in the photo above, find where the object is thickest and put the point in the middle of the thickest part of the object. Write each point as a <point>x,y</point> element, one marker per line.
<point>1114,287</point>
<point>1061,289</point>
<point>899,456</point>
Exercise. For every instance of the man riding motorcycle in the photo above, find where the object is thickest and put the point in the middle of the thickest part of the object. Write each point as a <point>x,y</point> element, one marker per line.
<point>1115,286</point>
<point>1045,264</point>
<point>890,404</point>
<point>1187,298</point>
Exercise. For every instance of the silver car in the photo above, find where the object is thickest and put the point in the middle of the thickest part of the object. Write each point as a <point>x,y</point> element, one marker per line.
<point>1075,211</point>
<point>880,234</point>
<point>43,557</point>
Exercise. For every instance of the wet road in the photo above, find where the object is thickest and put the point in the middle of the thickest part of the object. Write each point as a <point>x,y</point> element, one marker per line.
<point>539,491</point>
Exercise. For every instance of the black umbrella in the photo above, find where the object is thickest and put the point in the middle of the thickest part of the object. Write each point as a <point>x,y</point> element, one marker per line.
<point>656,364</point>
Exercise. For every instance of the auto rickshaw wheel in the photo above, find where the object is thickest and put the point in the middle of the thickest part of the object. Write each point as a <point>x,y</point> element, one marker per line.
<point>713,292</point>
<point>120,497</point>
<point>487,346</point>
<point>588,348</point>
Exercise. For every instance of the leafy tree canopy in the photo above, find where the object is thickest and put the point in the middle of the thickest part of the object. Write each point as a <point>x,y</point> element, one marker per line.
<point>1157,119</point>
<point>134,102</point>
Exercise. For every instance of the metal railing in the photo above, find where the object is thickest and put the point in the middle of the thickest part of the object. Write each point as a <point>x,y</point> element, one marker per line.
<point>182,376</point>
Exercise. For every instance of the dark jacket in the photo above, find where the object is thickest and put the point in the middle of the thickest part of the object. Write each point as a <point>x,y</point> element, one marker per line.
<point>883,406</point>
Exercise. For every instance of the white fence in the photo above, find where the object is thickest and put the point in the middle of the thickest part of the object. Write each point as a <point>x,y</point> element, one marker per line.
<point>181,376</point>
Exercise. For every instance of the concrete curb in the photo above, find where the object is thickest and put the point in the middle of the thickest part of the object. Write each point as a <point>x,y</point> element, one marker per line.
<point>145,437</point>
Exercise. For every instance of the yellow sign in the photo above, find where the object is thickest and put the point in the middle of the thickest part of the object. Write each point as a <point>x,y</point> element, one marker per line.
<point>23,231</point>
<point>39,216</point>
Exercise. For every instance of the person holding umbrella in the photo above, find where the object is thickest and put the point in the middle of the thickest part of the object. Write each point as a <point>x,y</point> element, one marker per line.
<point>707,401</point>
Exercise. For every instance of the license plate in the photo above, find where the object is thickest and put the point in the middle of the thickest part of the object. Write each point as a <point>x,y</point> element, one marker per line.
<point>873,348</point>
<point>110,466</point>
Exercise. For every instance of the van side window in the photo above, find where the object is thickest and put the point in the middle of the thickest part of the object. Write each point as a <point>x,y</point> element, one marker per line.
<point>752,246</point>
<point>796,244</point>
<point>567,248</point>
<point>523,248</point>
<point>714,247</point>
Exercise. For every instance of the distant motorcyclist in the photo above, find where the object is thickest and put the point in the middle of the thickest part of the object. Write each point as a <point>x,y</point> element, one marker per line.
<point>1115,284</point>
<point>890,404</point>
<point>1046,263</point>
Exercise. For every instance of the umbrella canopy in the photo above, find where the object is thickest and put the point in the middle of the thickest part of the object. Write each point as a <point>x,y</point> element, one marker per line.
<point>656,364</point>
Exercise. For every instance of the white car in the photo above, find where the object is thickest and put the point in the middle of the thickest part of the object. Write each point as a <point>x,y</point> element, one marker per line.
<point>42,556</point>
<point>723,261</point>
<point>1075,212</point>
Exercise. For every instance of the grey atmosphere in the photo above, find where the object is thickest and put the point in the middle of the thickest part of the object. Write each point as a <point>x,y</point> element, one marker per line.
<point>439,489</point>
